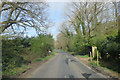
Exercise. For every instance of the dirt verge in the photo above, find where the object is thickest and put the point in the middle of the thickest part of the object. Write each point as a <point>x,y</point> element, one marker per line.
<point>104,71</point>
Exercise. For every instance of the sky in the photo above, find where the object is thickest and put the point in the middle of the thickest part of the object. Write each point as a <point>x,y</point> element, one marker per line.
<point>56,14</point>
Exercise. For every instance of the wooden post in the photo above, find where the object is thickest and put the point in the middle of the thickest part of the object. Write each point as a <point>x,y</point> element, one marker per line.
<point>90,56</point>
<point>93,51</point>
<point>97,58</point>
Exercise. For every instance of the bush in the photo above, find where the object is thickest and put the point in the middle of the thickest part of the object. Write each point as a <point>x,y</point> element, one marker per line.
<point>21,51</point>
<point>81,47</point>
<point>108,46</point>
<point>41,45</point>
<point>12,52</point>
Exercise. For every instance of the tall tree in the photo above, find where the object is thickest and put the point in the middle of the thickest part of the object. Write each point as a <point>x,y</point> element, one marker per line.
<point>119,21</point>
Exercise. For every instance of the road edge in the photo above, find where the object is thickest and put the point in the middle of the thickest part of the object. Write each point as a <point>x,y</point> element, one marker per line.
<point>33,69</point>
<point>91,67</point>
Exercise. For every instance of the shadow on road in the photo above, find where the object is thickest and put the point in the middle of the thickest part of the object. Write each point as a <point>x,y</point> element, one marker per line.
<point>86,75</point>
<point>66,60</point>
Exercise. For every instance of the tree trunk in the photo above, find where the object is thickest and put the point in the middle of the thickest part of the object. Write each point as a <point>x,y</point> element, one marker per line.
<point>119,21</point>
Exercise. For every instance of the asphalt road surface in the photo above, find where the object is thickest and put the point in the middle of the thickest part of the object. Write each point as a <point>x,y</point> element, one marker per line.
<point>64,65</point>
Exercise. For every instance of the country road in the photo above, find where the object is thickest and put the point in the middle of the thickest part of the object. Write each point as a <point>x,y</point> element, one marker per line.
<point>64,65</point>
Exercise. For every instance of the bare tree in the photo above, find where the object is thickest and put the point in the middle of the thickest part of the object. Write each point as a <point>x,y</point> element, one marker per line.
<point>89,15</point>
<point>23,14</point>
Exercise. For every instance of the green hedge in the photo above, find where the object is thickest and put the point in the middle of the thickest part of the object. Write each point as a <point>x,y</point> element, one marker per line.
<point>22,51</point>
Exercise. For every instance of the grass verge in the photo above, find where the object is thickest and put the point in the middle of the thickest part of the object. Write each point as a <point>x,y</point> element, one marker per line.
<point>82,56</point>
<point>44,58</point>
<point>113,72</point>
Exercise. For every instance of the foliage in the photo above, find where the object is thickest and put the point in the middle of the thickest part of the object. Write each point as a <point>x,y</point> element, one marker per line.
<point>45,44</point>
<point>108,47</point>
<point>92,24</point>
<point>22,51</point>
<point>83,56</point>
<point>45,58</point>
<point>12,54</point>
